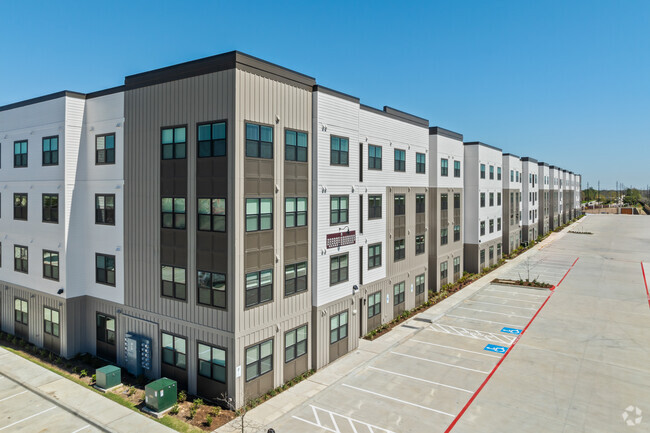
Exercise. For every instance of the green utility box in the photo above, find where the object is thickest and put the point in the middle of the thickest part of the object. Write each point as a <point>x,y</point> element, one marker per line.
<point>160,394</point>
<point>108,376</point>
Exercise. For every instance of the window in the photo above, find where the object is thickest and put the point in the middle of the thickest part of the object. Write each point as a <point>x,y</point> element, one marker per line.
<point>212,214</point>
<point>420,163</point>
<point>173,282</point>
<point>259,141</point>
<point>259,359</point>
<point>374,207</point>
<point>399,251</point>
<point>20,259</point>
<point>51,151</point>
<point>374,304</point>
<point>517,176</point>
<point>173,213</point>
<point>51,321</point>
<point>457,201</point>
<point>498,250</point>
<point>295,146</point>
<point>419,203</point>
<point>419,244</point>
<point>498,224</point>
<point>174,352</point>
<point>444,202</point>
<point>295,343</point>
<point>374,157</point>
<point>21,311</point>
<point>295,212</point>
<point>338,327</point>
<point>491,199</point>
<point>400,206</point>
<point>259,287</point>
<point>105,329</point>
<point>482,228</point>
<point>339,150</point>
<point>212,139</point>
<point>419,284</point>
<point>491,252</point>
<point>338,269</point>
<point>498,173</point>
<point>400,160</point>
<point>456,233</point>
<point>456,265</point>
<point>491,172</point>
<point>456,168</point>
<point>482,199</point>
<point>212,362</point>
<point>295,278</point>
<point>444,236</point>
<point>482,171</point>
<point>512,175</point>
<point>443,270</point>
<point>105,149</point>
<point>20,206</point>
<point>498,199</point>
<point>491,226</point>
<point>259,214</point>
<point>20,154</point>
<point>374,256</point>
<point>398,293</point>
<point>338,209</point>
<point>105,209</point>
<point>173,142</point>
<point>51,265</point>
<point>444,167</point>
<point>482,256</point>
<point>105,269</point>
<point>212,289</point>
<point>50,208</point>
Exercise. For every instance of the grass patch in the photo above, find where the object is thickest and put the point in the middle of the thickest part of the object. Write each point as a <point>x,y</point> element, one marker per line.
<point>178,425</point>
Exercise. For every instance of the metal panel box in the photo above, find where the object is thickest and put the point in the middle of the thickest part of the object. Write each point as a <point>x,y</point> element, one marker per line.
<point>160,394</point>
<point>108,376</point>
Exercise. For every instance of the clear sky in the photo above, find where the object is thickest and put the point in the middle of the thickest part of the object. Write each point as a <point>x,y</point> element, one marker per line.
<point>566,82</point>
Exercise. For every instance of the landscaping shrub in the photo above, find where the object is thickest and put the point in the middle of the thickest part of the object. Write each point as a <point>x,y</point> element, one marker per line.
<point>197,403</point>
<point>208,421</point>
<point>174,409</point>
<point>182,396</point>
<point>216,411</point>
<point>131,391</point>
<point>192,412</point>
<point>83,373</point>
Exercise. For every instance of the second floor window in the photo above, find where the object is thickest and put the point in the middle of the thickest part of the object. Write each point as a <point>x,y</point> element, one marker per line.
<point>105,149</point>
<point>456,168</point>
<point>419,284</point>
<point>295,212</point>
<point>339,150</point>
<point>338,327</point>
<point>482,199</point>
<point>492,172</point>
<point>456,232</point>
<point>338,269</point>
<point>374,207</point>
<point>20,206</point>
<point>498,173</point>
<point>482,171</point>
<point>259,214</point>
<point>400,160</point>
<point>374,304</point>
<point>212,214</point>
<point>420,163</point>
<point>173,213</point>
<point>492,226</point>
<point>374,256</point>
<point>400,206</point>
<point>212,289</point>
<point>374,157</point>
<point>212,139</point>
<point>457,201</point>
<point>259,359</point>
<point>420,204</point>
<point>21,263</point>
<point>51,208</point>
<point>105,269</point>
<point>491,199</point>
<point>295,278</point>
<point>419,244</point>
<point>482,228</point>
<point>51,151</point>
<point>259,141</point>
<point>444,236</point>
<point>105,209</point>
<point>338,209</point>
<point>444,167</point>
<point>174,143</point>
<point>173,282</point>
<point>259,287</point>
<point>51,265</point>
<point>295,146</point>
<point>20,154</point>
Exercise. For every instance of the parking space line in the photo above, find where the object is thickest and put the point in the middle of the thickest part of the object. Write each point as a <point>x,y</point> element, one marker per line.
<point>471,333</point>
<point>493,312</point>
<point>482,320</point>
<point>441,363</point>
<point>515,293</point>
<point>421,380</point>
<point>398,400</point>
<point>12,396</point>
<point>29,417</point>
<point>501,305</point>
<point>507,299</point>
<point>455,348</point>
<point>82,428</point>
<point>351,422</point>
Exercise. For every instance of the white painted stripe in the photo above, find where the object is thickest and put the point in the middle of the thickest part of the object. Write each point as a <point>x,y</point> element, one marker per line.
<point>515,293</point>
<point>422,380</point>
<point>501,305</point>
<point>441,363</point>
<point>82,428</point>
<point>398,400</point>
<point>12,396</point>
<point>29,417</point>
<point>493,312</point>
<point>471,333</point>
<point>482,320</point>
<point>508,299</point>
<point>455,348</point>
<point>314,424</point>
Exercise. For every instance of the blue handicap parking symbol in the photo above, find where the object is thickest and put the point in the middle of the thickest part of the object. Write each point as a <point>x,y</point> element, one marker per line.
<point>495,348</point>
<point>511,331</point>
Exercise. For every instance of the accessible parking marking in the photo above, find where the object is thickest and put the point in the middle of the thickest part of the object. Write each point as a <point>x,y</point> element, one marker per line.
<point>495,348</point>
<point>350,422</point>
<point>471,333</point>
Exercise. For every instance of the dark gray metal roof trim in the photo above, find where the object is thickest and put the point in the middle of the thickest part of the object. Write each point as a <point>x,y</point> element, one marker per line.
<point>512,154</point>
<point>542,163</point>
<point>436,130</point>
<point>328,91</point>
<point>529,159</point>
<point>105,92</point>
<point>392,116</point>
<point>407,116</point>
<point>478,143</point>
<point>45,98</point>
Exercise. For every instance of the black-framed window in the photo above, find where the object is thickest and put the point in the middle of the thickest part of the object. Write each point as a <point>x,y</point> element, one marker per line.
<point>374,157</point>
<point>338,269</point>
<point>457,201</point>
<point>443,270</point>
<point>259,214</point>
<point>212,362</point>
<point>419,284</point>
<point>482,257</point>
<point>20,153</point>
<point>419,244</point>
<point>420,163</point>
<point>491,226</point>
<point>105,328</point>
<point>444,202</point>
<point>212,214</point>
<point>482,228</point>
<point>173,142</point>
<point>399,201</point>
<point>338,327</point>
<point>512,175</point>
<point>105,209</point>
<point>444,167</point>
<point>399,250</point>
<point>374,207</point>
<point>50,208</point>
<point>20,206</point>
<point>21,263</point>
<point>498,250</point>
<point>499,224</point>
<point>482,171</point>
<point>51,150</point>
<point>51,265</point>
<point>105,269</point>
<point>456,168</point>
<point>259,287</point>
<point>444,236</point>
<point>295,146</point>
<point>457,233</point>
<point>491,252</point>
<point>374,256</point>
<point>498,173</point>
<point>259,141</point>
<point>173,282</point>
<point>482,199</point>
<point>295,212</point>
<point>21,311</point>
<point>174,350</point>
<point>173,212</point>
<point>339,209</point>
<point>211,139</point>
<point>491,199</point>
<point>400,160</point>
<point>259,359</point>
<point>491,172</point>
<point>456,265</point>
<point>212,289</point>
<point>105,149</point>
<point>399,290</point>
<point>295,278</point>
<point>374,304</point>
<point>498,199</point>
<point>339,150</point>
<point>420,203</point>
<point>295,343</point>
<point>51,321</point>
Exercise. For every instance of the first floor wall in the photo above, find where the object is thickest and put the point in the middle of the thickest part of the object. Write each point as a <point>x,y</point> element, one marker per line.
<point>511,238</point>
<point>477,256</point>
<point>446,267</point>
<point>530,232</point>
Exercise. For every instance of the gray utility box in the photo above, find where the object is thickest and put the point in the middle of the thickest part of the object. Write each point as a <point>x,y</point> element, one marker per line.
<point>160,394</point>
<point>108,376</point>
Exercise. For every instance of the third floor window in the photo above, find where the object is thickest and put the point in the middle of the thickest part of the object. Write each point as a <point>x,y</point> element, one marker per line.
<point>105,209</point>
<point>420,163</point>
<point>212,214</point>
<point>173,213</point>
<point>374,157</point>
<point>338,209</point>
<point>212,139</point>
<point>295,211</point>
<point>456,168</point>
<point>444,167</point>
<point>105,149</point>
<point>259,214</point>
<point>20,206</point>
<point>259,141</point>
<point>400,160</point>
<point>295,146</point>
<point>51,151</point>
<point>174,143</point>
<point>339,150</point>
<point>20,153</point>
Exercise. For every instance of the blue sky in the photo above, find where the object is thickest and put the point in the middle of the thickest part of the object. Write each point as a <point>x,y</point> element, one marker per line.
<point>564,82</point>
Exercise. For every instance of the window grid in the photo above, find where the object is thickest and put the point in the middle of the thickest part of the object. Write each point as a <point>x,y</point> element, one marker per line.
<point>443,270</point>
<point>51,208</point>
<point>374,256</point>
<point>339,209</point>
<point>295,278</point>
<point>211,214</point>
<point>374,157</point>
<point>211,140</point>
<point>456,233</point>
<point>295,212</point>
<point>374,207</point>
<point>20,206</point>
<point>212,362</point>
<point>105,209</point>
<point>174,283</point>
<point>400,160</point>
<point>51,321</point>
<point>399,290</point>
<point>338,269</point>
<point>339,150</point>
<point>51,265</point>
<point>105,269</point>
<point>104,149</point>
<point>212,289</point>
<point>420,203</point>
<point>419,244</point>
<point>399,250</point>
<point>174,351</point>
<point>419,284</point>
<point>374,304</point>
<point>259,287</point>
<point>295,343</point>
<point>338,327</point>
<point>259,359</point>
<point>259,141</point>
<point>20,154</point>
<point>420,163</point>
<point>21,263</point>
<point>259,214</point>
<point>105,328</point>
<point>444,167</point>
<point>400,204</point>
<point>50,151</point>
<point>295,146</point>
<point>21,311</point>
<point>172,213</point>
<point>456,168</point>
<point>444,236</point>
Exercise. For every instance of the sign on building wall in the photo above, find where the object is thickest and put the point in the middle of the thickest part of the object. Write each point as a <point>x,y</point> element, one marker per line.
<point>341,239</point>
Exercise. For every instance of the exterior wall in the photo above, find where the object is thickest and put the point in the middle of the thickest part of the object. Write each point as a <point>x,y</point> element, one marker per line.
<point>512,208</point>
<point>544,198</point>
<point>530,198</point>
<point>556,198</point>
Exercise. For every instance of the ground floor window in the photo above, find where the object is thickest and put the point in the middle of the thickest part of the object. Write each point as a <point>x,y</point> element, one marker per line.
<point>259,359</point>
<point>443,270</point>
<point>398,293</point>
<point>51,321</point>
<point>482,256</point>
<point>21,311</point>
<point>456,265</point>
<point>338,327</point>
<point>106,328</point>
<point>374,304</point>
<point>295,343</point>
<point>212,362</point>
<point>419,284</point>
<point>174,351</point>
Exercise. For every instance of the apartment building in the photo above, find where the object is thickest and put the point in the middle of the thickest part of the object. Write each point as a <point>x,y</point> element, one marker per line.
<point>545,192</point>
<point>446,198</point>
<point>512,207</point>
<point>530,205</point>
<point>483,205</point>
<point>577,201</point>
<point>370,218</point>
<point>556,197</point>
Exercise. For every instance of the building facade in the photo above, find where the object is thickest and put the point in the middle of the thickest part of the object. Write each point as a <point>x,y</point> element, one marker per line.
<point>530,205</point>
<point>556,197</point>
<point>544,192</point>
<point>512,206</point>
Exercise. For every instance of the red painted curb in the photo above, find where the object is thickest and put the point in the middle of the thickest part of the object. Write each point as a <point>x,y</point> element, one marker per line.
<point>646,284</point>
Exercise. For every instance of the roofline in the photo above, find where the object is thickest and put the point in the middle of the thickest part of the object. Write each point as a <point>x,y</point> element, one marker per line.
<point>436,130</point>
<point>45,98</point>
<point>416,120</point>
<point>512,154</point>
<point>542,163</point>
<point>529,159</point>
<point>478,143</point>
<point>336,93</point>
<point>395,116</point>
